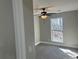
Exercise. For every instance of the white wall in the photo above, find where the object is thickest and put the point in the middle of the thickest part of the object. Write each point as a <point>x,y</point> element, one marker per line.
<point>7,37</point>
<point>29,29</point>
<point>36,29</point>
<point>70,28</point>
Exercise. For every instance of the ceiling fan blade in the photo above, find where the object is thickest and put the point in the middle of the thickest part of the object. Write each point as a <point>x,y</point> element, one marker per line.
<point>37,9</point>
<point>48,7</point>
<point>40,8</point>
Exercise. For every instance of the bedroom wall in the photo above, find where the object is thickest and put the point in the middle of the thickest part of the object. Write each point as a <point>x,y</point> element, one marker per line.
<point>36,29</point>
<point>70,29</point>
<point>29,29</point>
<point>7,35</point>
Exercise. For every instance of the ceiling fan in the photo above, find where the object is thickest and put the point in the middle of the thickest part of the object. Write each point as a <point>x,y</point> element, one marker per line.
<point>44,13</point>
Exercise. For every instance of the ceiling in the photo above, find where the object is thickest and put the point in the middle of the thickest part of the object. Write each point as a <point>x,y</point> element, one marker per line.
<point>58,6</point>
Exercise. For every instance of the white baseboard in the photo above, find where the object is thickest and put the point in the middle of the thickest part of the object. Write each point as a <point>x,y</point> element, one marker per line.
<point>53,43</point>
<point>45,42</point>
<point>58,44</point>
<point>37,43</point>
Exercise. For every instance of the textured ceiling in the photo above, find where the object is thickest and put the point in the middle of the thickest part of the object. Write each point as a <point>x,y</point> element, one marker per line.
<point>58,5</point>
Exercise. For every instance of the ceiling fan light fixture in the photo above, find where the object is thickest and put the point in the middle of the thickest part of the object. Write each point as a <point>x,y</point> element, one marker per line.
<point>44,17</point>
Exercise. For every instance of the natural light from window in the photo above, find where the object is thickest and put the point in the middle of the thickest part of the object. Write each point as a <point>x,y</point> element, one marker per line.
<point>69,53</point>
<point>57,29</point>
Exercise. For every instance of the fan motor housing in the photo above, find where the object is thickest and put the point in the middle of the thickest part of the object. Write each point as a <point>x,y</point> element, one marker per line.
<point>43,13</point>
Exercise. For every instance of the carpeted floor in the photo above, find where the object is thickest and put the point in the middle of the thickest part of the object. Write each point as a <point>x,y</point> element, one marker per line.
<point>52,52</point>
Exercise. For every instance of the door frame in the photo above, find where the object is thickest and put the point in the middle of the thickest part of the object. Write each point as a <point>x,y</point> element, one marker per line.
<point>19,29</point>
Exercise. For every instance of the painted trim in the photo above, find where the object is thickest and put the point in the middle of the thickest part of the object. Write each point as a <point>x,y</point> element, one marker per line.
<point>19,29</point>
<point>58,44</point>
<point>37,43</point>
<point>46,42</point>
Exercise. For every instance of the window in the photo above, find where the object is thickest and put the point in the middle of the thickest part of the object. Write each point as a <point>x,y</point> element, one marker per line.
<point>57,29</point>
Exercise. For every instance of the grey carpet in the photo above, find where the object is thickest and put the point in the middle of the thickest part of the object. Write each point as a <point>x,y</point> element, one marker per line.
<point>51,52</point>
